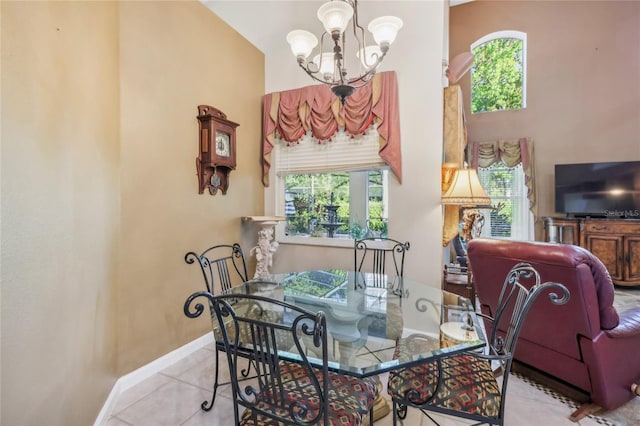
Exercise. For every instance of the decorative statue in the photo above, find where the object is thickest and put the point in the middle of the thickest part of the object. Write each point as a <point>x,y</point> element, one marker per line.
<point>264,252</point>
<point>473,223</point>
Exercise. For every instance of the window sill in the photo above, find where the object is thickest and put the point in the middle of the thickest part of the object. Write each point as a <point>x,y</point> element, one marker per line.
<point>317,241</point>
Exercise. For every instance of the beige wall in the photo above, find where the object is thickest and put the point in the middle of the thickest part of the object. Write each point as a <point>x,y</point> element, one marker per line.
<point>583,85</point>
<point>60,209</point>
<point>99,190</point>
<point>174,56</point>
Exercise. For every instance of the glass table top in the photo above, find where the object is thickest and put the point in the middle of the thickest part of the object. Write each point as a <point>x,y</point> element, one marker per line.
<point>373,329</point>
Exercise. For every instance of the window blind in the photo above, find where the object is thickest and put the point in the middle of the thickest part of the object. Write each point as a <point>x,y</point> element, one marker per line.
<point>511,216</point>
<point>342,153</point>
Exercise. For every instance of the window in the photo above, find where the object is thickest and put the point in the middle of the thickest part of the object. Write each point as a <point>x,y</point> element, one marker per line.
<point>332,191</point>
<point>498,72</point>
<point>335,205</point>
<point>511,217</point>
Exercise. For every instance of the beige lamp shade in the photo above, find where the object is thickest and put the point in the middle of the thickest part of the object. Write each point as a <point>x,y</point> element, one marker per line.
<point>465,190</point>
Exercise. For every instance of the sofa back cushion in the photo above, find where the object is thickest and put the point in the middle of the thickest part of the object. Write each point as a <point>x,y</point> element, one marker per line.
<point>589,310</point>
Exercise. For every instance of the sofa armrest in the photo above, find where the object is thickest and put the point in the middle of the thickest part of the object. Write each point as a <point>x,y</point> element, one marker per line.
<point>629,324</point>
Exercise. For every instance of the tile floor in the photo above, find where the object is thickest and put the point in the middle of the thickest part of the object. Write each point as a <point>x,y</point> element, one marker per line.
<point>173,397</point>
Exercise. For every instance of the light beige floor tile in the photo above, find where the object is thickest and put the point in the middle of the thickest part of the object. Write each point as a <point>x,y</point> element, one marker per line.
<point>114,421</point>
<point>447,420</point>
<point>139,391</point>
<point>171,404</point>
<point>416,418</point>
<point>626,415</point>
<point>210,347</point>
<point>523,411</point>
<point>199,357</point>
<point>174,397</point>
<point>516,387</point>
<point>201,375</point>
<point>220,415</point>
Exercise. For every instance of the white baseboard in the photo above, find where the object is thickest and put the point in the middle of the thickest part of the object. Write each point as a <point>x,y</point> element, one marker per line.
<point>128,380</point>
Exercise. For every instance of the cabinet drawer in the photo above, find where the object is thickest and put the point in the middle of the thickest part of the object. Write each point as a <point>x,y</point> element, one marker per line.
<point>617,227</point>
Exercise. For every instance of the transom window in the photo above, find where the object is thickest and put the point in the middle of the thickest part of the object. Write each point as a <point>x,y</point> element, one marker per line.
<point>498,72</point>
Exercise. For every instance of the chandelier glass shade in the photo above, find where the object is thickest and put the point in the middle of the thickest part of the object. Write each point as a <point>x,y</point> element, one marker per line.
<point>328,66</point>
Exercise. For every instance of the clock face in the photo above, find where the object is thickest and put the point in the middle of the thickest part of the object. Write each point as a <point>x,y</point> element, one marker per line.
<point>223,144</point>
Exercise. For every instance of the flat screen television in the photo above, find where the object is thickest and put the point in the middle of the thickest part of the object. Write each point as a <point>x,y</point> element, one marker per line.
<point>603,190</point>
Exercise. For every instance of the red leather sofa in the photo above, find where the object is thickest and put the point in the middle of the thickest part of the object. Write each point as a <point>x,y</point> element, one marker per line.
<point>585,343</point>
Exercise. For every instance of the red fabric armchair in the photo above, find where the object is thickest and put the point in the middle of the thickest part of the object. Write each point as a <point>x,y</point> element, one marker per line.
<point>585,343</point>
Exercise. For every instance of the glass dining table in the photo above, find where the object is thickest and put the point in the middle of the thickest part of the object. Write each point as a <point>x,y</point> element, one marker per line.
<point>376,323</point>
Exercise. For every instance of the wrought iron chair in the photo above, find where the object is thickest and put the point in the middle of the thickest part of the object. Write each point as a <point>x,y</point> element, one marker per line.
<point>225,265</point>
<point>382,255</point>
<point>218,263</point>
<point>284,391</point>
<point>464,385</point>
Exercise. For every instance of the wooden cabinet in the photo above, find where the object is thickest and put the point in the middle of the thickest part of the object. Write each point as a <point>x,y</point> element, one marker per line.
<point>632,251</point>
<point>561,230</point>
<point>615,242</point>
<point>609,249</point>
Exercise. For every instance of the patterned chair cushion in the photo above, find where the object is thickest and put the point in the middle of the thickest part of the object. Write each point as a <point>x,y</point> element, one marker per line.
<point>350,398</point>
<point>467,385</point>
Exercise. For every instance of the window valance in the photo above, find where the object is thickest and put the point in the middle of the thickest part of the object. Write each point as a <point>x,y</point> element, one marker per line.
<point>315,109</point>
<point>511,153</point>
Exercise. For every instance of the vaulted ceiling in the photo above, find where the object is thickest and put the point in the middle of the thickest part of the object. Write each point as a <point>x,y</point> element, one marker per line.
<point>266,23</point>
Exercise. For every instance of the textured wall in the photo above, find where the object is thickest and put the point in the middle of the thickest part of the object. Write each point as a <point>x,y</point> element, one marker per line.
<point>174,56</point>
<point>60,209</point>
<point>99,190</point>
<point>583,90</point>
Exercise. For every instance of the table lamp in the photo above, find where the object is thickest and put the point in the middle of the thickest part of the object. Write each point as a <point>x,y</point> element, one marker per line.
<point>466,191</point>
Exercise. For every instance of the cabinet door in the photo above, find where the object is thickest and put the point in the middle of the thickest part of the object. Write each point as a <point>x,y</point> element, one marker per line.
<point>632,261</point>
<point>609,249</point>
<point>560,230</point>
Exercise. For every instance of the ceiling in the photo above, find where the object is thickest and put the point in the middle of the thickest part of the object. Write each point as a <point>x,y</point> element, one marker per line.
<point>265,23</point>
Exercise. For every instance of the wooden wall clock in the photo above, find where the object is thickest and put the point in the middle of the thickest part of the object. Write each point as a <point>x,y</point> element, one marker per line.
<point>217,150</point>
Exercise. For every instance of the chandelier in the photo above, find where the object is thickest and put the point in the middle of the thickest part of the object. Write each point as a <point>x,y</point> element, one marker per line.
<point>329,65</point>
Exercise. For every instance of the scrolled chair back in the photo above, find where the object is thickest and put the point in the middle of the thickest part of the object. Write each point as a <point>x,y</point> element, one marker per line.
<point>223,263</point>
<point>465,384</point>
<point>275,395</point>
<point>521,288</point>
<point>380,256</point>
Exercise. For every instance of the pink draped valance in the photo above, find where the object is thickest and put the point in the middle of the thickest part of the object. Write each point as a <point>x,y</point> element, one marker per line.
<point>511,153</point>
<point>292,113</point>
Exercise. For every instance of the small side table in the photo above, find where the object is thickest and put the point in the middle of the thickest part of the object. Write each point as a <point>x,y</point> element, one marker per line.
<point>459,281</point>
<point>453,332</point>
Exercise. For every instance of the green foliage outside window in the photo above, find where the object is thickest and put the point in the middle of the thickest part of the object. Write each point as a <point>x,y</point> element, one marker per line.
<point>497,76</point>
<point>309,194</point>
<point>376,222</point>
